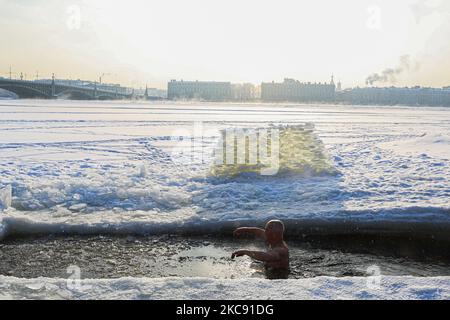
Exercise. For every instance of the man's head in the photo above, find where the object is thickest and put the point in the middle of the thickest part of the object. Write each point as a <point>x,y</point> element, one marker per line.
<point>274,231</point>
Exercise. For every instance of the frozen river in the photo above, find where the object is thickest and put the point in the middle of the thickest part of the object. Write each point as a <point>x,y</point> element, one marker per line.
<point>116,167</point>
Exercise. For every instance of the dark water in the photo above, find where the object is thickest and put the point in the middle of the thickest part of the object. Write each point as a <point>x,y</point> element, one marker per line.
<point>164,256</point>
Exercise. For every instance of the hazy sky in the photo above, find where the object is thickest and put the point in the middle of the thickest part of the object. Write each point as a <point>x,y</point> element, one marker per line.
<point>151,41</point>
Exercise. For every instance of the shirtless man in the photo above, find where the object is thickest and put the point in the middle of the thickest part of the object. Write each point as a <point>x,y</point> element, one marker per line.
<point>277,256</point>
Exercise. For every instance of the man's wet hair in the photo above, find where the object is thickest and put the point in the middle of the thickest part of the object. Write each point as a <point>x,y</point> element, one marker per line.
<point>276,223</point>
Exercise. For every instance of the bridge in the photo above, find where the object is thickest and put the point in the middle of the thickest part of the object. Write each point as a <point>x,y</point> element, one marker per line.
<point>55,90</point>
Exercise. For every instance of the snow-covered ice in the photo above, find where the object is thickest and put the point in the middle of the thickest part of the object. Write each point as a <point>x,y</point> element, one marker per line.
<point>435,145</point>
<point>130,167</point>
<point>116,167</point>
<point>390,288</point>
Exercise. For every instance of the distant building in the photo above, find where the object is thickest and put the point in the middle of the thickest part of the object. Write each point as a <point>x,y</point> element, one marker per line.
<point>244,92</point>
<point>156,93</point>
<point>151,93</point>
<point>296,91</point>
<point>396,96</point>
<point>202,90</point>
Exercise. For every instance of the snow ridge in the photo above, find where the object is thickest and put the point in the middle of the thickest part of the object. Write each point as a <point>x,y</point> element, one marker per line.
<point>387,288</point>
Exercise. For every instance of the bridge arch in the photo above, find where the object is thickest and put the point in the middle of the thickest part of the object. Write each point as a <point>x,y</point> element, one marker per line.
<point>107,97</point>
<point>75,94</point>
<point>24,91</point>
<point>8,94</point>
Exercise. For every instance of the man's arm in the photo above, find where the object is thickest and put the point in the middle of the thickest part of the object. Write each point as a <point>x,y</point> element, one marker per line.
<point>261,233</point>
<point>258,255</point>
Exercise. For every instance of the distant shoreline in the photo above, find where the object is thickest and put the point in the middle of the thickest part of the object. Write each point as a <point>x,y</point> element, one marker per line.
<point>234,102</point>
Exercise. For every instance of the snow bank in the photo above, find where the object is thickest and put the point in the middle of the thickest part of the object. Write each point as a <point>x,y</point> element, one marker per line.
<point>5,203</point>
<point>2,228</point>
<point>5,197</point>
<point>413,221</point>
<point>389,288</point>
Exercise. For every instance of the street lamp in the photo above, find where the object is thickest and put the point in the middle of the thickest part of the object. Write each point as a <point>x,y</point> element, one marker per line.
<point>104,74</point>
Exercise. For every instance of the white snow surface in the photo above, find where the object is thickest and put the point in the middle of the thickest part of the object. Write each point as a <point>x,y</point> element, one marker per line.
<point>435,145</point>
<point>388,288</point>
<point>121,166</point>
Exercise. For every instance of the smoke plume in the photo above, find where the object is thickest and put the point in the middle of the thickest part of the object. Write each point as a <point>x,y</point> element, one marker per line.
<point>389,75</point>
